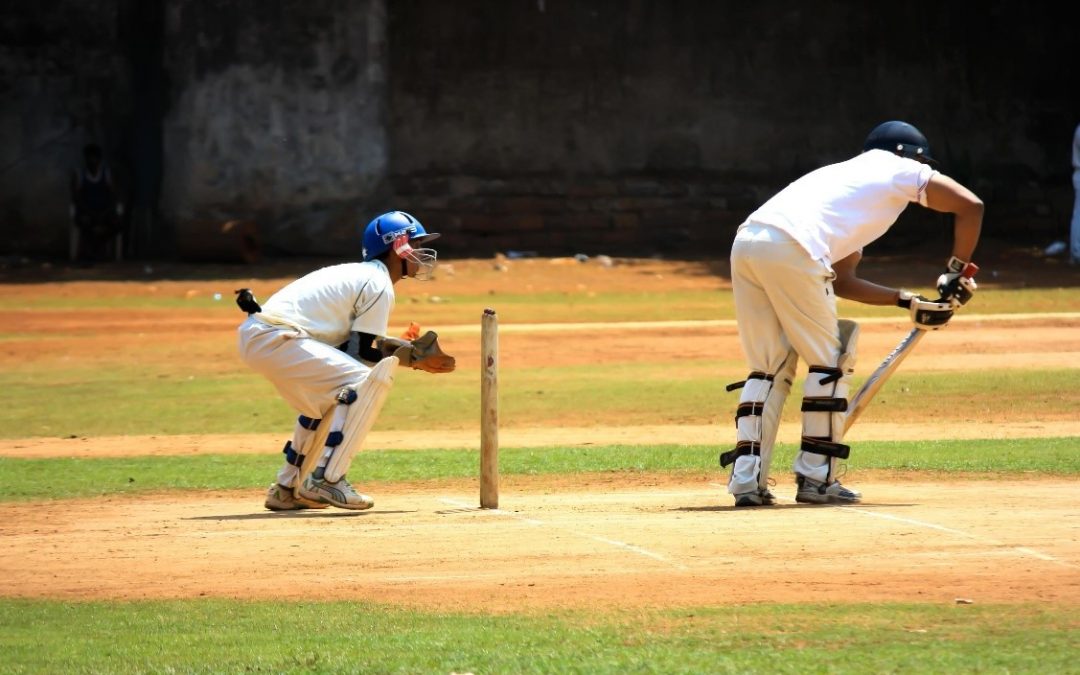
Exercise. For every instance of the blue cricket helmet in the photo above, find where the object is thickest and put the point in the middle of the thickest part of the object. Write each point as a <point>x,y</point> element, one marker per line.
<point>900,138</point>
<point>380,233</point>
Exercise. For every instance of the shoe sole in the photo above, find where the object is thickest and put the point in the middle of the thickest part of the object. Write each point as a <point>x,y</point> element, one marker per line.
<point>305,503</point>
<point>753,500</point>
<point>325,501</point>
<point>363,506</point>
<point>825,499</point>
<point>296,506</point>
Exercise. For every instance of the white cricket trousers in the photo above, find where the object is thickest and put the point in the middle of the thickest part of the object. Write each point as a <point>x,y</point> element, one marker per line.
<point>307,373</point>
<point>784,301</point>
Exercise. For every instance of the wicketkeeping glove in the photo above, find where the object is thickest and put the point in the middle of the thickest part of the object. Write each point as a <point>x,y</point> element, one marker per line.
<point>423,353</point>
<point>953,285</point>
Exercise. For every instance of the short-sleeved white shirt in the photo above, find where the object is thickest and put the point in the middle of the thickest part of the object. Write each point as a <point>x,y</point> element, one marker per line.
<point>329,303</point>
<point>840,208</point>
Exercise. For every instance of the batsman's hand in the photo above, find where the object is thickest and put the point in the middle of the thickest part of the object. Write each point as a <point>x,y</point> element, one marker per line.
<point>956,284</point>
<point>926,314</point>
<point>423,353</point>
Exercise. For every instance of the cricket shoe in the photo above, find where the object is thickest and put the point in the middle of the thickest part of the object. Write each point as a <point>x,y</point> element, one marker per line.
<point>755,498</point>
<point>280,498</point>
<point>339,494</point>
<point>815,492</point>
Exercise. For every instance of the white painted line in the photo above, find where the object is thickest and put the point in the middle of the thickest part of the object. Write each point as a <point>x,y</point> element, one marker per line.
<point>941,528</point>
<point>967,535</point>
<point>603,540</point>
<point>631,547</point>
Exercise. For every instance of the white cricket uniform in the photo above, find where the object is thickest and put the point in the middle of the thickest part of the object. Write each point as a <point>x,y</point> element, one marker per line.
<point>781,274</point>
<point>294,341</point>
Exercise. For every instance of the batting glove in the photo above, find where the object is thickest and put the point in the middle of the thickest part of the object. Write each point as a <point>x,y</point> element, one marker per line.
<point>953,286</point>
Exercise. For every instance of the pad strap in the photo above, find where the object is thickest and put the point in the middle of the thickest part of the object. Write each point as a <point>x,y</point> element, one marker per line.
<point>308,423</point>
<point>755,375</point>
<point>741,448</point>
<point>823,446</point>
<point>292,456</point>
<point>749,408</point>
<point>834,374</point>
<point>824,404</point>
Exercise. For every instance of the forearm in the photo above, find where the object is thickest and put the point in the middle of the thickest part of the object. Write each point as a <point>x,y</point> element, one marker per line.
<point>866,292</point>
<point>361,346</point>
<point>966,230</point>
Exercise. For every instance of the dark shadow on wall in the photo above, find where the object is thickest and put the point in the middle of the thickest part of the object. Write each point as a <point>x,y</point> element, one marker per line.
<point>142,33</point>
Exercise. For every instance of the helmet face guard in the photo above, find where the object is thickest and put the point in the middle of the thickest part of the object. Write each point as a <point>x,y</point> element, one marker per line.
<point>423,258</point>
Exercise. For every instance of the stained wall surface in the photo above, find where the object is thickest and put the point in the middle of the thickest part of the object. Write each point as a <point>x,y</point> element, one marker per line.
<point>636,126</point>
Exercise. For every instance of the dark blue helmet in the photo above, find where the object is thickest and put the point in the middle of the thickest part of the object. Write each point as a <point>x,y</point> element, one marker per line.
<point>902,139</point>
<point>379,235</point>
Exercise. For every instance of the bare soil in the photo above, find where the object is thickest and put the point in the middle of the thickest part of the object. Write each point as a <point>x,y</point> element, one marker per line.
<point>630,540</point>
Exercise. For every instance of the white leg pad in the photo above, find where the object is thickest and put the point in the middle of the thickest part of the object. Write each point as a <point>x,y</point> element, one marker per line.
<point>828,425</point>
<point>370,396</point>
<point>751,471</point>
<point>770,417</point>
<point>313,450</point>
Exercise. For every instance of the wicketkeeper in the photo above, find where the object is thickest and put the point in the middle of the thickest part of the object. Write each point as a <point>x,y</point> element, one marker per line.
<point>790,260</point>
<point>322,341</point>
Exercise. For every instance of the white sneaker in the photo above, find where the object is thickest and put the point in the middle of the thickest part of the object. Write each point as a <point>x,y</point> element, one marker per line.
<point>339,494</point>
<point>815,492</point>
<point>1056,248</point>
<point>279,498</point>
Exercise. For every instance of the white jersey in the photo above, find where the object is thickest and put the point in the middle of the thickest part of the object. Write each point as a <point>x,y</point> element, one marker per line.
<point>329,303</point>
<point>838,209</point>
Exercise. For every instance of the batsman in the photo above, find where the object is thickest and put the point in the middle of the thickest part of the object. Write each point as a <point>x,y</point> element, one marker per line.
<point>322,341</point>
<point>790,260</point>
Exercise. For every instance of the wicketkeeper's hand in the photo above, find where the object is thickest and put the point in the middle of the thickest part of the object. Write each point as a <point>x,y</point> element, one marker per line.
<point>954,285</point>
<point>423,353</point>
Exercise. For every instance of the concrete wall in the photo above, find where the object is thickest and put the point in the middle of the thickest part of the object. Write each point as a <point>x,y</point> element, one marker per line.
<point>63,83</point>
<point>278,116</point>
<point>559,125</point>
<point>622,126</point>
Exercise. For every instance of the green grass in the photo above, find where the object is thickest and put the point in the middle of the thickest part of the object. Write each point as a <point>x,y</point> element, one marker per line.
<point>214,636</point>
<point>516,305</point>
<point>83,477</point>
<point>177,397</point>
<point>989,300</point>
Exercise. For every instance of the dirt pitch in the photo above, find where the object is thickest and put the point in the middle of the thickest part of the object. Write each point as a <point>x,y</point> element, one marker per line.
<point>599,540</point>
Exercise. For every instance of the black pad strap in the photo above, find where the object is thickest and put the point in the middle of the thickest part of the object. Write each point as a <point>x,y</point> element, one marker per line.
<point>823,446</point>
<point>834,374</point>
<point>755,375</point>
<point>741,448</point>
<point>748,408</point>
<point>291,456</point>
<point>823,404</point>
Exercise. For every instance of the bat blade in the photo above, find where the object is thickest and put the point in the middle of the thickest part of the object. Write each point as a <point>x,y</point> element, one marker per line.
<point>877,379</point>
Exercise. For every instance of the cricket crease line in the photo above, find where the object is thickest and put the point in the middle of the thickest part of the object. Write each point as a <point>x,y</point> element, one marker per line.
<point>974,537</point>
<point>1019,549</point>
<point>603,540</point>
